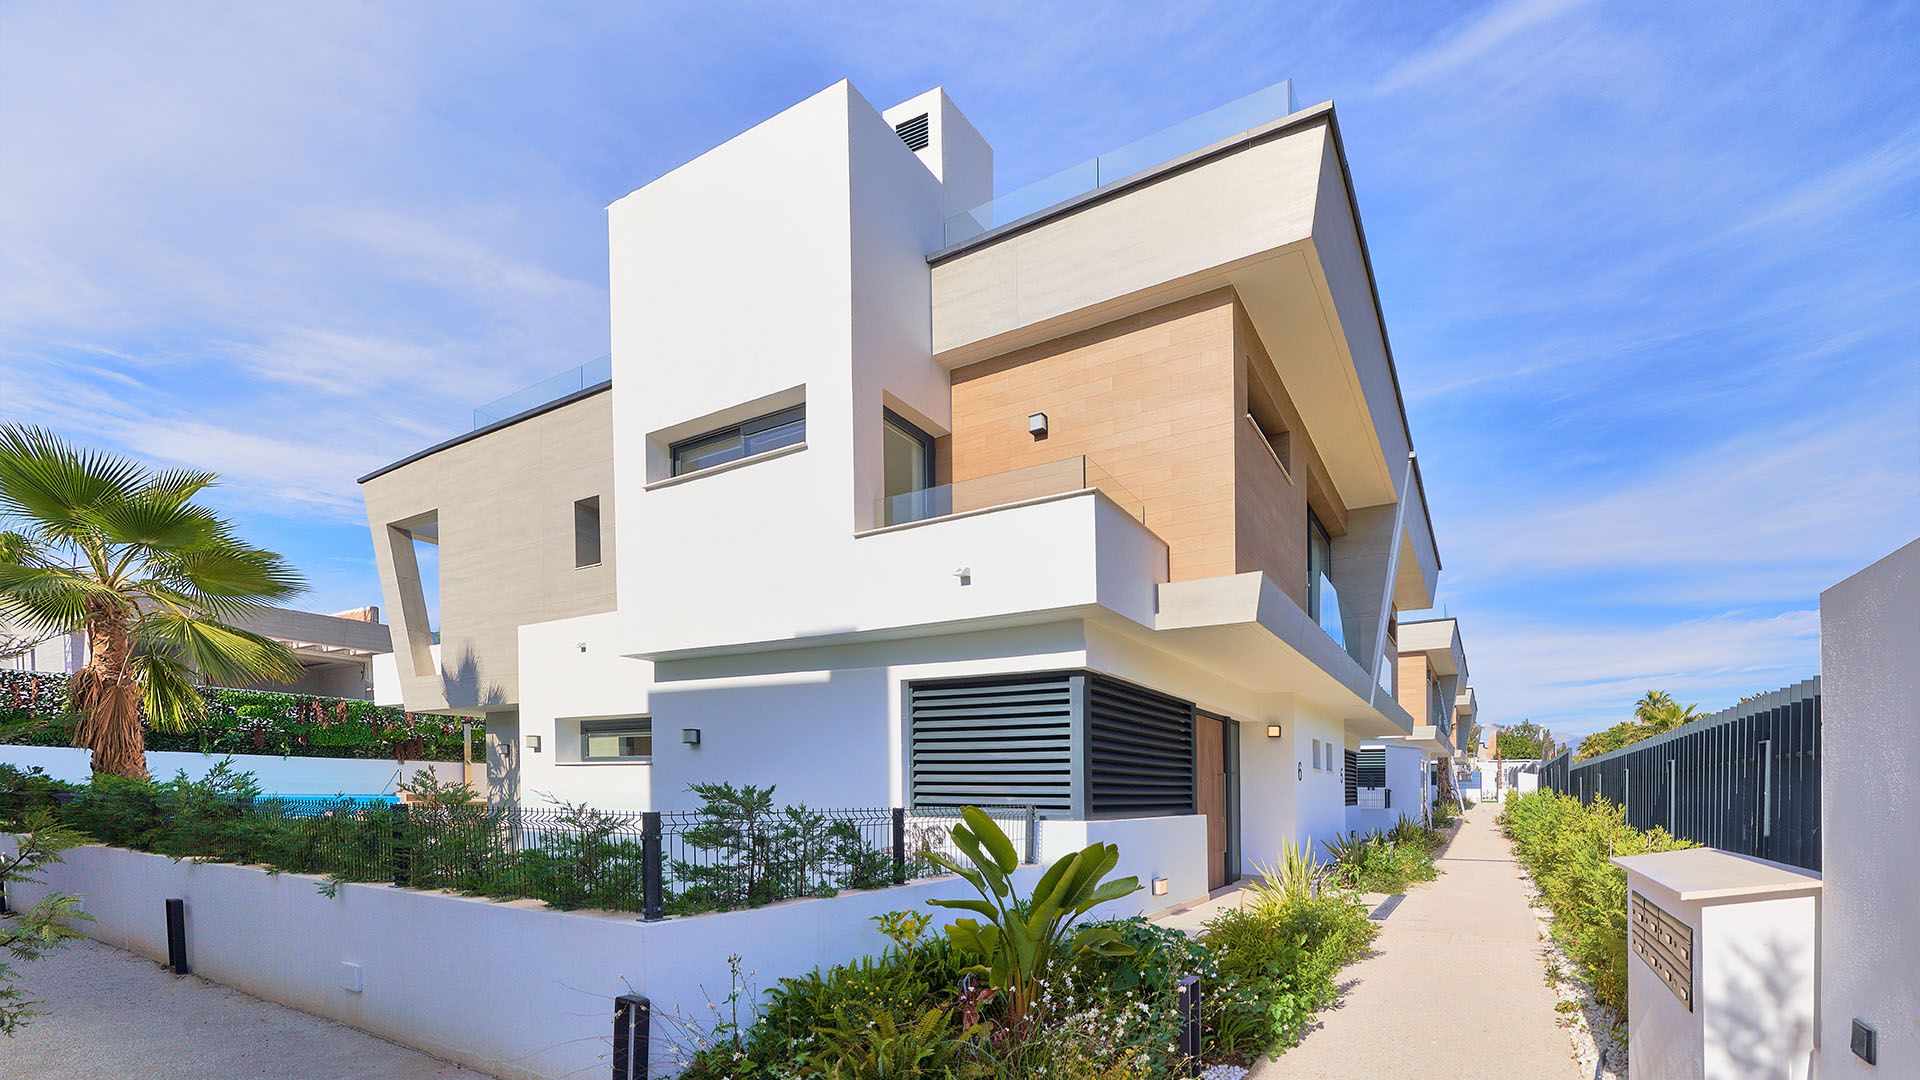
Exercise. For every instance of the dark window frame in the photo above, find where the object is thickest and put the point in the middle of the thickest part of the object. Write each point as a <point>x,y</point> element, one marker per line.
<point>624,726</point>
<point>916,433</point>
<point>743,431</point>
<point>583,555</point>
<point>1316,530</point>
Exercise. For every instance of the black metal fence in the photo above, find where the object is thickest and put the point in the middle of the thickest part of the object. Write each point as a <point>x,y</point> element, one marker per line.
<point>1746,779</point>
<point>652,864</point>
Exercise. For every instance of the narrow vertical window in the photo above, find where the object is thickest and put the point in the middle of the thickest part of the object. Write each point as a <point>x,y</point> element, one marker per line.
<point>586,532</point>
<point>908,472</point>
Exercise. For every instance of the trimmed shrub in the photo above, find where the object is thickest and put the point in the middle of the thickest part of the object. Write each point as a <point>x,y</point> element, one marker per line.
<point>245,722</point>
<point>1565,844</point>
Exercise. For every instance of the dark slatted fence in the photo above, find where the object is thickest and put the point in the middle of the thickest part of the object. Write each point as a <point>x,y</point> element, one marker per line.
<point>1745,780</point>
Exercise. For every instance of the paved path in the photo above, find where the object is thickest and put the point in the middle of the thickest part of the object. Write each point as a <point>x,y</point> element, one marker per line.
<point>1455,988</point>
<point>109,1013</point>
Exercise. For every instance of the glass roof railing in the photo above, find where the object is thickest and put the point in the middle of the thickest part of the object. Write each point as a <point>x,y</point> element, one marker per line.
<point>552,388</point>
<point>1193,133</point>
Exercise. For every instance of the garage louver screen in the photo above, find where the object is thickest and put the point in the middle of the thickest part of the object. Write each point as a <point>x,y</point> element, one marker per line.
<point>1005,740</point>
<point>1351,775</point>
<point>1140,760</point>
<point>1069,743</point>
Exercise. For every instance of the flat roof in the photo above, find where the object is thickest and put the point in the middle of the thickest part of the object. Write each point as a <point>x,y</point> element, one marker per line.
<point>543,407</point>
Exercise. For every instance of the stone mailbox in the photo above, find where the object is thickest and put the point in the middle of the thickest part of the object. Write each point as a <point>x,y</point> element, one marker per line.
<point>1720,966</point>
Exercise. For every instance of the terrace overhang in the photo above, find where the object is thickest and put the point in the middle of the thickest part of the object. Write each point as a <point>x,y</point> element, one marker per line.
<point>1269,213</point>
<point>1245,628</point>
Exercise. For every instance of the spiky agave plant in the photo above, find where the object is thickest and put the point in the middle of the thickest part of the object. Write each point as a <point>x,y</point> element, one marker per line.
<point>94,542</point>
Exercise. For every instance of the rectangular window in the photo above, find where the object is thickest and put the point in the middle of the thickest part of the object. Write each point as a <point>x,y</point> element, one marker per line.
<point>628,739</point>
<point>1316,755</point>
<point>586,532</point>
<point>757,436</point>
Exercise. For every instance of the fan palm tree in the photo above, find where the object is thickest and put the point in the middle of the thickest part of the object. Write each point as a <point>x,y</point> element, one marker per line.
<point>95,542</point>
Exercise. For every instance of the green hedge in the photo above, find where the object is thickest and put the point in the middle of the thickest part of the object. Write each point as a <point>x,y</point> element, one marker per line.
<point>1565,844</point>
<point>245,722</point>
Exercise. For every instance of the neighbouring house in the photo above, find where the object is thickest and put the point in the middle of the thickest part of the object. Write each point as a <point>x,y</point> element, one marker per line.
<point>1098,498</point>
<point>337,651</point>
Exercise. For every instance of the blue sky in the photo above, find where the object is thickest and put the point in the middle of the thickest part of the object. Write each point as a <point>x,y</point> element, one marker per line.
<point>1651,271</point>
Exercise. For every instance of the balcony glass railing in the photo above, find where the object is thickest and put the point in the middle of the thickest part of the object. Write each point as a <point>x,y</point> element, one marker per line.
<point>1194,133</point>
<point>552,388</point>
<point>1326,601</point>
<point>1000,489</point>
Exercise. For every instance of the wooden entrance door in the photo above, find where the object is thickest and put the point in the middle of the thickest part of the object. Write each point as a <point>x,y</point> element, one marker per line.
<point>1210,791</point>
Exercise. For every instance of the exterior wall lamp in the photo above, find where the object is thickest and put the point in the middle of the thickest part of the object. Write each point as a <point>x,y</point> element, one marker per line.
<point>1159,886</point>
<point>1037,425</point>
<point>533,744</point>
<point>1273,731</point>
<point>690,736</point>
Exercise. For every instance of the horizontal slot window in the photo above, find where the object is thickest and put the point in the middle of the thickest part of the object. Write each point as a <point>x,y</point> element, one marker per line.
<point>629,739</point>
<point>787,427</point>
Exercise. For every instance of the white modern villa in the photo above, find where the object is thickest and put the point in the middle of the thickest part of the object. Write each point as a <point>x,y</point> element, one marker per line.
<point>1098,496</point>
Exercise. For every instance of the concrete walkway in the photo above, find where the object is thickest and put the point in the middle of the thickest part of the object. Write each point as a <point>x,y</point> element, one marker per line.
<point>110,1013</point>
<point>1455,988</point>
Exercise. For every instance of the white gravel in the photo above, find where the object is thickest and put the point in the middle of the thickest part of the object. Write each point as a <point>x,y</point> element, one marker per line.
<point>1599,1035</point>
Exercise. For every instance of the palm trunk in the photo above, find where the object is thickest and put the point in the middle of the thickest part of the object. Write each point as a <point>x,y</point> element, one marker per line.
<point>108,699</point>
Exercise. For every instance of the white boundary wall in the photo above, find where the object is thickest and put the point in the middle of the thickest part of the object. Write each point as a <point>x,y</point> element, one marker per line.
<point>516,989</point>
<point>1869,816</point>
<point>276,775</point>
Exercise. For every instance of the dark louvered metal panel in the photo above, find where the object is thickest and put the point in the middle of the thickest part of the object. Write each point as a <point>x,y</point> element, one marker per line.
<point>1350,775</point>
<point>913,132</point>
<point>1139,750</point>
<point>1370,767</point>
<point>1006,739</point>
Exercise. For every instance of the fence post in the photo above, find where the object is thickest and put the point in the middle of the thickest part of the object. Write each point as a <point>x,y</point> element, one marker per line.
<point>177,936</point>
<point>402,849</point>
<point>4,909</point>
<point>1190,1023</point>
<point>651,901</point>
<point>899,845</point>
<point>1033,834</point>
<point>632,1036</point>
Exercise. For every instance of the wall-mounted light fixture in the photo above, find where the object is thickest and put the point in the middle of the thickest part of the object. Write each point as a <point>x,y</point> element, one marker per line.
<point>1037,425</point>
<point>1159,886</point>
<point>965,574</point>
<point>581,645</point>
<point>1273,731</point>
<point>1299,771</point>
<point>533,744</point>
<point>690,736</point>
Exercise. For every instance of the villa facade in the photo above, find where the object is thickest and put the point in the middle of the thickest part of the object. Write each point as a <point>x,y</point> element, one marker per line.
<point>1098,497</point>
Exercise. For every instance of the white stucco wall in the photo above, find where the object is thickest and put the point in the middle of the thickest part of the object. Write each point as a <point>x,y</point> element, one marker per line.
<point>276,775</point>
<point>1869,815</point>
<point>571,671</point>
<point>516,989</point>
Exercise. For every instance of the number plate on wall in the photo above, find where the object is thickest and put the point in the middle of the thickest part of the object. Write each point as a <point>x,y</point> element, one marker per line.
<point>1664,944</point>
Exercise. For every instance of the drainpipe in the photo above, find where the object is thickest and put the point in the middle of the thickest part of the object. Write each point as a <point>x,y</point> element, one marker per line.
<point>1386,591</point>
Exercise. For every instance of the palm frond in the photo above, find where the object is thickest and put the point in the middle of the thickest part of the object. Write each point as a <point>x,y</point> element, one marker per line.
<point>153,524</point>
<point>52,485</point>
<point>220,653</point>
<point>169,694</point>
<point>49,599</point>
<point>227,580</point>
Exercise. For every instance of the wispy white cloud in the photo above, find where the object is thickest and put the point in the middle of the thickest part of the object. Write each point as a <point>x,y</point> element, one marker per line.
<point>1576,678</point>
<point>1490,33</point>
